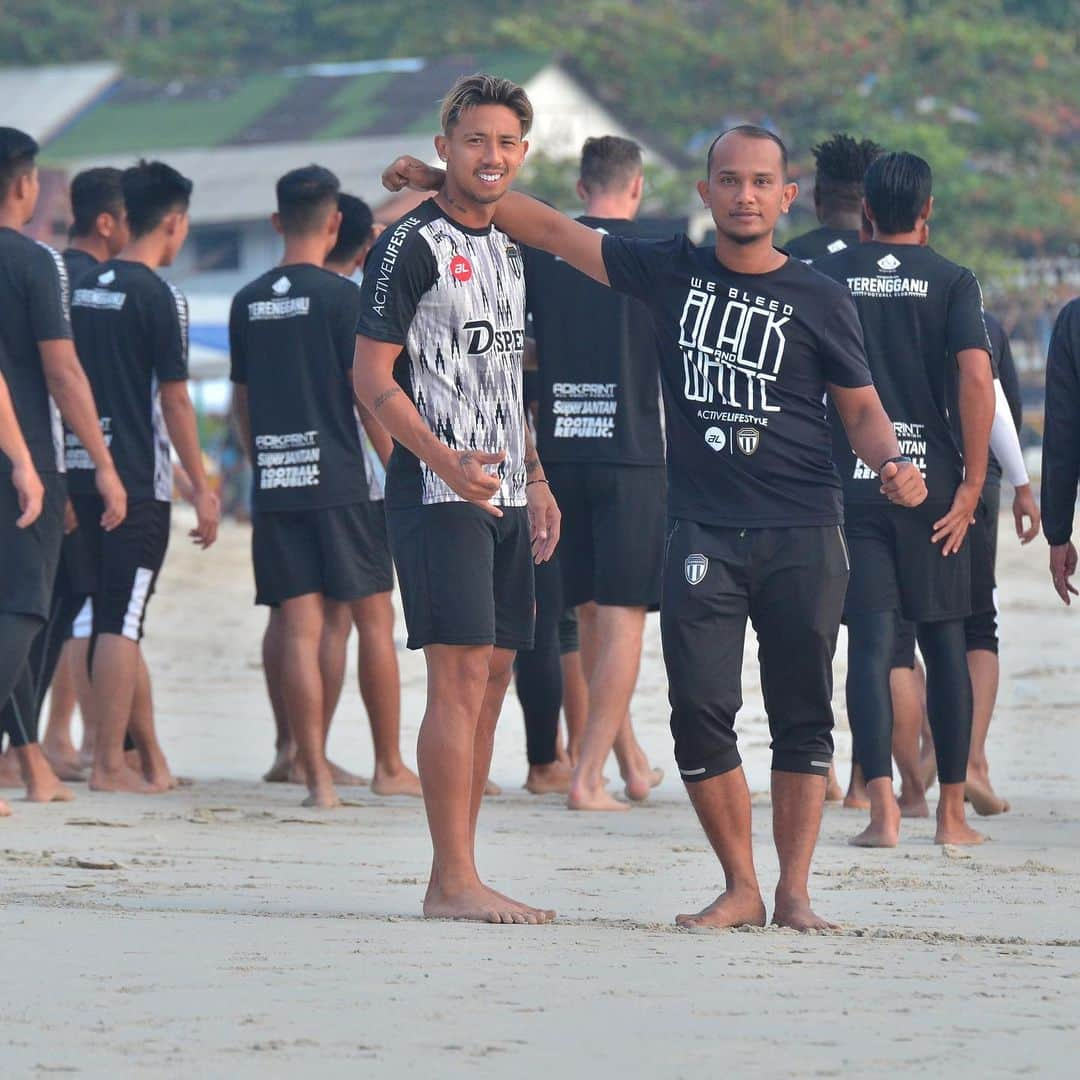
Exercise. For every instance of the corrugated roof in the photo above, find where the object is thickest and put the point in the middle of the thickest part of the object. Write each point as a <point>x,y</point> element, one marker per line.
<point>42,100</point>
<point>236,183</point>
<point>308,104</point>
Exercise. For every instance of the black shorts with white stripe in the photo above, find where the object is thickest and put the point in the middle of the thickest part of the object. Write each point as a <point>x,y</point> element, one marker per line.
<point>128,562</point>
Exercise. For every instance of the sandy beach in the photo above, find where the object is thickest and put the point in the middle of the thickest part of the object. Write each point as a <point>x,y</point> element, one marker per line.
<point>224,931</point>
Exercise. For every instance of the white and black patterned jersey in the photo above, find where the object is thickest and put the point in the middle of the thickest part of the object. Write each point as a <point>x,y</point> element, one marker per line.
<point>131,332</point>
<point>34,298</point>
<point>454,299</point>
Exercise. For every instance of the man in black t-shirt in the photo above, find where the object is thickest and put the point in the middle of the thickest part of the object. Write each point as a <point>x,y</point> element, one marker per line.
<point>751,342</point>
<point>1061,447</point>
<point>929,353</point>
<point>838,190</point>
<point>315,538</point>
<point>131,328</point>
<point>439,362</point>
<point>99,231</point>
<point>599,435</point>
<point>38,362</point>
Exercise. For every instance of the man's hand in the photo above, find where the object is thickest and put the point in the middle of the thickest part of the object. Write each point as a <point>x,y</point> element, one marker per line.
<point>114,496</point>
<point>31,492</point>
<point>902,483</point>
<point>1062,567</point>
<point>464,474</point>
<point>71,522</point>
<point>953,527</point>
<point>410,172</point>
<point>208,514</point>
<point>545,520</point>
<point>1024,506</point>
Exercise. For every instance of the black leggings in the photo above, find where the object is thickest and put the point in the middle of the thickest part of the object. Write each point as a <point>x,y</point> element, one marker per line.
<point>539,672</point>
<point>871,642</point>
<point>18,715</point>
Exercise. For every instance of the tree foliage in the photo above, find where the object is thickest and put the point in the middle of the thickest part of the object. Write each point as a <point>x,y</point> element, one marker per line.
<point>987,90</point>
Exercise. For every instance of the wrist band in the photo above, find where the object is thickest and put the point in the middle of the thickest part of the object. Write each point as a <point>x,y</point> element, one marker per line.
<point>900,459</point>
<point>540,481</point>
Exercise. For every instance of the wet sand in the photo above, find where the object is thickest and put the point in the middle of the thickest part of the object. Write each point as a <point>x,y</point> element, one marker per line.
<point>224,931</point>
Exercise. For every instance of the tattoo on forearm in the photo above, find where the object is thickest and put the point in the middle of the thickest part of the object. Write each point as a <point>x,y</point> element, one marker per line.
<point>466,459</point>
<point>532,464</point>
<point>385,396</point>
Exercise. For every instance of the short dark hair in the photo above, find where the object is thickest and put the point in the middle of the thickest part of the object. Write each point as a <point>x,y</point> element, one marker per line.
<point>609,161</point>
<point>898,186</point>
<point>93,192</point>
<point>17,154</point>
<point>304,195</point>
<point>750,131</point>
<point>472,90</point>
<point>153,190</point>
<point>841,166</point>
<point>354,230</point>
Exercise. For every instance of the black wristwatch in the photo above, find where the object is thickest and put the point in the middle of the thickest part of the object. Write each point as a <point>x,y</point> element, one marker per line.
<point>900,459</point>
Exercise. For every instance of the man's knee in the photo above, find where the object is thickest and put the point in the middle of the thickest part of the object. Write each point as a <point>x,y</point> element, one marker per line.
<point>704,734</point>
<point>500,668</point>
<point>457,669</point>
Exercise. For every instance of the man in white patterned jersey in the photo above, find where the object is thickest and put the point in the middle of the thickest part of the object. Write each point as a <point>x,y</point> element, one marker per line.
<point>439,362</point>
<point>131,330</point>
<point>38,362</point>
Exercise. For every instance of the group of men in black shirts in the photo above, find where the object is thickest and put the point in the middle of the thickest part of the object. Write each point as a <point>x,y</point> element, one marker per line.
<point>798,405</point>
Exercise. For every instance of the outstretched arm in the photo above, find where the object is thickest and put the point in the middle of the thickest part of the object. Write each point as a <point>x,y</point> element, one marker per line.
<point>527,220</point>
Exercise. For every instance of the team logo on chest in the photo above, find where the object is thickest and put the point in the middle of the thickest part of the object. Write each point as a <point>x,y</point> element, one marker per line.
<point>747,440</point>
<point>460,268</point>
<point>695,568</point>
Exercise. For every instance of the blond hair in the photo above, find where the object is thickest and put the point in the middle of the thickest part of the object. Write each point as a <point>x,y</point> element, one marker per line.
<point>472,90</point>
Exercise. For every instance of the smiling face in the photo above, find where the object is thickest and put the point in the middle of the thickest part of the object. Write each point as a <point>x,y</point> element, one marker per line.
<point>483,152</point>
<point>746,189</point>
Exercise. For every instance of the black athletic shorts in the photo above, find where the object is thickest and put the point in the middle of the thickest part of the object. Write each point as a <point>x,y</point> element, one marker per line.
<point>466,578</point>
<point>790,584</point>
<point>127,561</point>
<point>612,545</point>
<point>896,567</point>
<point>569,633</point>
<point>340,552</point>
<point>29,557</point>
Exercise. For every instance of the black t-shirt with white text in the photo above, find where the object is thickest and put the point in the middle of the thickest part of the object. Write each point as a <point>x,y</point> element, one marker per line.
<point>917,310</point>
<point>292,334</point>
<point>131,333</point>
<point>816,244</point>
<point>598,358</point>
<point>34,298</point>
<point>453,298</point>
<point>78,263</point>
<point>745,359</point>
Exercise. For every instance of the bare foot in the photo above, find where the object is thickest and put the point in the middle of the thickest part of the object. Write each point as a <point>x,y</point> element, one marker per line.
<point>278,773</point>
<point>728,910</point>
<point>553,779</point>
<point>345,778</point>
<point>833,791</point>
<point>491,788</point>
<point>402,782</point>
<point>796,913</point>
<point>956,832</point>
<point>10,775</point>
<point>65,761</point>
<point>852,802</point>
<point>5,810</point>
<point>125,780</point>
<point>913,805</point>
<point>984,799</point>
<point>478,903</point>
<point>639,784</point>
<point>323,796</point>
<point>883,832</point>
<point>48,789</point>
<point>582,797</point>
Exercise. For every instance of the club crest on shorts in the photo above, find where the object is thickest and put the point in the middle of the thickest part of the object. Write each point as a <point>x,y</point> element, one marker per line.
<point>747,440</point>
<point>695,568</point>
